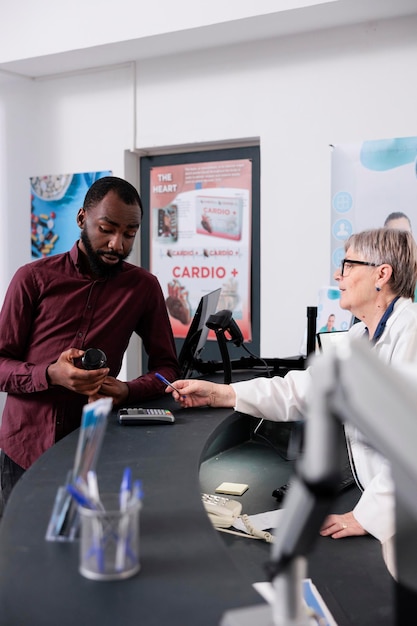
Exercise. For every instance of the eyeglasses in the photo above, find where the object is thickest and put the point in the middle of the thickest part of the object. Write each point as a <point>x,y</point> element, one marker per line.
<point>346,265</point>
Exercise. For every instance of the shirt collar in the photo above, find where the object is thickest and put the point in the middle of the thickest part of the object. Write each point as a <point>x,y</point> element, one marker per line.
<point>382,322</point>
<point>74,254</point>
<point>80,262</point>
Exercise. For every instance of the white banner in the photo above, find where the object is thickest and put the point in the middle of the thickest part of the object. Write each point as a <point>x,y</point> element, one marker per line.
<point>370,182</point>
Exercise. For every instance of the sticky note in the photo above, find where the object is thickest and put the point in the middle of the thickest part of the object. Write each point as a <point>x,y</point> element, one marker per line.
<point>232,489</point>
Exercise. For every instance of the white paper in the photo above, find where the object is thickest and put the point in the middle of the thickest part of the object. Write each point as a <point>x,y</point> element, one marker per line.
<point>312,598</point>
<point>261,521</point>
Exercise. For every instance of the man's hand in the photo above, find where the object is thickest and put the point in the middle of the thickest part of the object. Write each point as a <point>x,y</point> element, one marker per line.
<point>65,374</point>
<point>202,393</point>
<point>339,526</point>
<point>112,388</point>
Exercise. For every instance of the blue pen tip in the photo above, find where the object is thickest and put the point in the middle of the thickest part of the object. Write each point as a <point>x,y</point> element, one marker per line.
<point>137,489</point>
<point>127,478</point>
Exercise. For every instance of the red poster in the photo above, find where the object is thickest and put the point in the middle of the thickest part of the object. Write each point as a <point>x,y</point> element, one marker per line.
<point>200,234</point>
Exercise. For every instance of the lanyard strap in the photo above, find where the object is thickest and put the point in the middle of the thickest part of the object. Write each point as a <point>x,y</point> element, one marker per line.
<point>382,322</point>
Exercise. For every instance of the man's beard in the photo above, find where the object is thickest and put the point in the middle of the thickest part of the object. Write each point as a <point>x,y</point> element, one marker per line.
<point>99,267</point>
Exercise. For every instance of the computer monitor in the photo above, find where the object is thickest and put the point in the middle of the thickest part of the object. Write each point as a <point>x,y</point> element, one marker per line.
<point>197,333</point>
<point>327,340</point>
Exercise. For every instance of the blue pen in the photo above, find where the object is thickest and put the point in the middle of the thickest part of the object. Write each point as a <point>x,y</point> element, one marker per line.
<point>137,492</point>
<point>123,531</point>
<point>164,380</point>
<point>125,489</point>
<point>93,492</point>
<point>97,547</point>
<point>80,498</point>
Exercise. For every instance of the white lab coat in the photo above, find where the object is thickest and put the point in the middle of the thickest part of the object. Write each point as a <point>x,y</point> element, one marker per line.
<point>285,399</point>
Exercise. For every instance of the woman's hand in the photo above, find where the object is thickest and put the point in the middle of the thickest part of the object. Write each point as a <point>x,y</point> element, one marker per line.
<point>339,526</point>
<point>193,393</point>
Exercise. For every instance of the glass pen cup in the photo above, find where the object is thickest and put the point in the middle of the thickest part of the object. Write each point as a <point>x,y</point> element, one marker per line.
<point>109,540</point>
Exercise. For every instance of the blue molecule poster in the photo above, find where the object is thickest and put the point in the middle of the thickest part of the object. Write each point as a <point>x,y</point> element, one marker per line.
<point>373,184</point>
<point>55,201</point>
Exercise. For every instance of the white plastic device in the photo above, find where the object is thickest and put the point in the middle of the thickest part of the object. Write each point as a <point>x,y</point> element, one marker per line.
<point>127,416</point>
<point>221,511</point>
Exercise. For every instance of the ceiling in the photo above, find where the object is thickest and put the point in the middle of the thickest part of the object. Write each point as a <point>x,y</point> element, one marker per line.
<point>283,23</point>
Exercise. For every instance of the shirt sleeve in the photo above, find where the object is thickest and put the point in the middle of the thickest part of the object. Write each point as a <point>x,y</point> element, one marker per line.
<point>17,374</point>
<point>375,510</point>
<point>158,341</point>
<point>277,399</point>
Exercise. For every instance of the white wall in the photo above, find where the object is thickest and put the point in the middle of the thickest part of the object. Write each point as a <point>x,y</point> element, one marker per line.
<point>297,94</point>
<point>74,124</point>
<point>34,28</point>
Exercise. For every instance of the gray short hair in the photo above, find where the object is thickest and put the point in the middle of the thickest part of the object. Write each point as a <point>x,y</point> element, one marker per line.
<point>394,247</point>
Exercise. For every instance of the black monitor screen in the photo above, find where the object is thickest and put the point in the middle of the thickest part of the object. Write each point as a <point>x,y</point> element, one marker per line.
<point>197,333</point>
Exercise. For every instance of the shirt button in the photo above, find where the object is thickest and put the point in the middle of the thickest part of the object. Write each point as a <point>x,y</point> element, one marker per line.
<point>80,334</point>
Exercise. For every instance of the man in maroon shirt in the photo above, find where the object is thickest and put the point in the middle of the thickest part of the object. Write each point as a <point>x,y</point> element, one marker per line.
<point>57,307</point>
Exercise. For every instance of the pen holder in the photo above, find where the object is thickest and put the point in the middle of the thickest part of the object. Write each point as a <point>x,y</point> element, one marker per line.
<point>109,540</point>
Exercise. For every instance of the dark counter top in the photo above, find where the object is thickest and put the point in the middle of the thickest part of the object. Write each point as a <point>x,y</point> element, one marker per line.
<point>190,574</point>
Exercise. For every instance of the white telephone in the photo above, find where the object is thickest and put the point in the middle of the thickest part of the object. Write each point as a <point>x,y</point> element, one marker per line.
<point>221,511</point>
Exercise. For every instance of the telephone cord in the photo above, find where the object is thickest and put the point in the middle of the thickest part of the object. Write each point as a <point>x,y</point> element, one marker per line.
<point>254,533</point>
